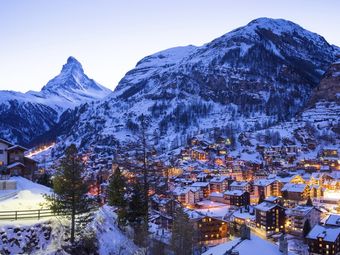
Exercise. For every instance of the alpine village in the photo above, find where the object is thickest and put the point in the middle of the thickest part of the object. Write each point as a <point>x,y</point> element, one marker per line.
<point>223,149</point>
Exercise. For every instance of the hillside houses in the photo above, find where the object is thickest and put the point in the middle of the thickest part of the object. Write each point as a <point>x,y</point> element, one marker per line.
<point>13,161</point>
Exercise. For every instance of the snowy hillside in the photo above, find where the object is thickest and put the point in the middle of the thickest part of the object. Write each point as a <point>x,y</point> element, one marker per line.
<point>24,116</point>
<point>254,77</point>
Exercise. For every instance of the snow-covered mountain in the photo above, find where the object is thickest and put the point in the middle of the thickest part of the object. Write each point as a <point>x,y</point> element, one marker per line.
<point>250,78</point>
<point>24,116</point>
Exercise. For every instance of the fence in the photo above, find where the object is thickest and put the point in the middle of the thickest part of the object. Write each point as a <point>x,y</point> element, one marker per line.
<point>27,214</point>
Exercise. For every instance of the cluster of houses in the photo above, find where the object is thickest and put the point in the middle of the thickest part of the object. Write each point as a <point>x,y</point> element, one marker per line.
<point>223,193</point>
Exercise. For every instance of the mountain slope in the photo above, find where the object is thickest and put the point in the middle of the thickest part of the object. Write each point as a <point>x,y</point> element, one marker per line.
<point>254,76</point>
<point>24,116</point>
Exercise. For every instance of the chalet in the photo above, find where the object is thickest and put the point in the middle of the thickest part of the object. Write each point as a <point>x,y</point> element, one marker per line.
<point>211,228</point>
<point>219,183</point>
<point>295,192</point>
<point>204,188</point>
<point>162,204</point>
<point>300,215</point>
<point>270,217</point>
<point>187,195</point>
<point>240,185</point>
<point>236,198</point>
<point>324,240</point>
<point>267,187</point>
<point>199,155</point>
<point>291,149</point>
<point>329,153</point>
<point>13,161</point>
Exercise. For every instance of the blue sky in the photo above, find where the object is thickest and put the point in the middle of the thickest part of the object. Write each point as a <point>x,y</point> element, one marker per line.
<point>109,37</point>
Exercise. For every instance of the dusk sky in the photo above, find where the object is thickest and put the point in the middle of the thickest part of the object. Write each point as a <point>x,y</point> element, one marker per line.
<point>110,37</point>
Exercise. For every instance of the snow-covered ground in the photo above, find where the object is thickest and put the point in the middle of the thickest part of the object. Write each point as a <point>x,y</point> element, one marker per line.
<point>27,196</point>
<point>111,239</point>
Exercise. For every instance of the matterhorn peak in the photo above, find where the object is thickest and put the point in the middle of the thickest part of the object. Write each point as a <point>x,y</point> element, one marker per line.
<point>72,65</point>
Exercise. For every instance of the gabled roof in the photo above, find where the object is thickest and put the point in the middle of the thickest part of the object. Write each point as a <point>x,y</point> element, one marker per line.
<point>333,220</point>
<point>15,164</point>
<point>219,179</point>
<point>200,184</point>
<point>291,187</point>
<point>5,142</point>
<point>234,192</point>
<point>239,184</point>
<point>327,233</point>
<point>301,210</point>
<point>263,182</point>
<point>19,147</point>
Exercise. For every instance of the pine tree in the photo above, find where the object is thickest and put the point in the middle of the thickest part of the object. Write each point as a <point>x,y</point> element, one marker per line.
<point>137,211</point>
<point>116,194</point>
<point>116,189</point>
<point>137,215</point>
<point>70,191</point>
<point>182,238</point>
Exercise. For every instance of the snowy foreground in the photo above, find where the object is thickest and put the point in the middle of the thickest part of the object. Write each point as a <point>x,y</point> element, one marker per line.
<point>27,196</point>
<point>47,236</point>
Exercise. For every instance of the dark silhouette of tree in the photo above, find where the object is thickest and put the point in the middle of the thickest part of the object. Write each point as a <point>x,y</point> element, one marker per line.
<point>70,190</point>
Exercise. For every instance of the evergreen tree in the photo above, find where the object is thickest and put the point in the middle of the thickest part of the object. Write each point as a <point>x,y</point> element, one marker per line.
<point>309,202</point>
<point>116,189</point>
<point>70,191</point>
<point>137,215</point>
<point>45,179</point>
<point>306,228</point>
<point>137,211</point>
<point>116,194</point>
<point>182,238</point>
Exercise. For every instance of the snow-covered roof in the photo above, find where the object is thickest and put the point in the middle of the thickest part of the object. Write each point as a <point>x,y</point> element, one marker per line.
<point>244,214</point>
<point>327,233</point>
<point>234,192</point>
<point>219,179</point>
<point>216,194</point>
<point>333,220</point>
<point>5,142</point>
<point>263,182</point>
<point>17,147</point>
<point>183,190</point>
<point>254,246</point>
<point>200,184</point>
<point>300,210</point>
<point>265,206</point>
<point>291,187</point>
<point>239,184</point>
<point>271,199</point>
<point>15,164</point>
